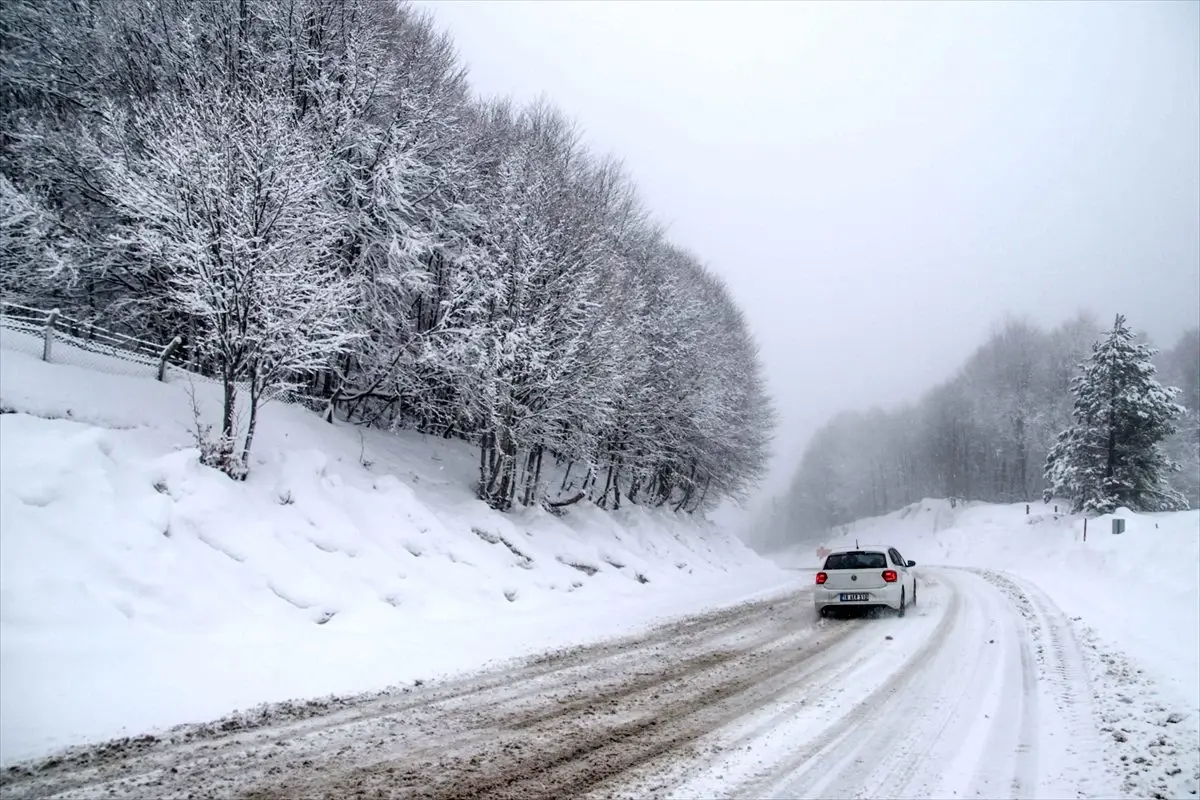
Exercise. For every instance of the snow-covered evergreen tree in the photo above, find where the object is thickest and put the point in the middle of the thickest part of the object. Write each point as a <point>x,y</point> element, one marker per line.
<point>1112,456</point>
<point>982,435</point>
<point>1180,366</point>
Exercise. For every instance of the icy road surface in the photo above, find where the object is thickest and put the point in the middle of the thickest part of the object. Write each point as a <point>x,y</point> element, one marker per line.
<point>983,690</point>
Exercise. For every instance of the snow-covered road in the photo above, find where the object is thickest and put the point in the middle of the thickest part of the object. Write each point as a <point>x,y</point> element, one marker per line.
<point>982,694</point>
<point>983,689</point>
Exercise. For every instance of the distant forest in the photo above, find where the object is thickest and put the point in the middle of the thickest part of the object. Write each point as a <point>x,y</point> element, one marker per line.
<point>309,195</point>
<point>982,435</point>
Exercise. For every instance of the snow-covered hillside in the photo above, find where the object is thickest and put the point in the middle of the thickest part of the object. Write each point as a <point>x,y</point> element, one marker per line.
<point>139,589</point>
<point>1136,592</point>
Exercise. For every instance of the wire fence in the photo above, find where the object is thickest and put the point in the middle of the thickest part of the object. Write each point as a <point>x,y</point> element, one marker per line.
<point>57,338</point>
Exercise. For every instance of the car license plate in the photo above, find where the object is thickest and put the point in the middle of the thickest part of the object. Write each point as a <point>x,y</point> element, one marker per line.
<point>851,598</point>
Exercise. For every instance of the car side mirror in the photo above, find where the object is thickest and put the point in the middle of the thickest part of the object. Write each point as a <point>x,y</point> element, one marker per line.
<point>911,564</point>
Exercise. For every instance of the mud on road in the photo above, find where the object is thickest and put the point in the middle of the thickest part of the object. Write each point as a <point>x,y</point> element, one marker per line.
<point>581,721</point>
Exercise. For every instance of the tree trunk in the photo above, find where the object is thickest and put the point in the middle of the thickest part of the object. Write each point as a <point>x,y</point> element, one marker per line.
<point>882,483</point>
<point>687,495</point>
<point>510,498</point>
<point>568,502</point>
<point>500,489</point>
<point>703,494</point>
<point>228,421</point>
<point>537,472</point>
<point>255,396</point>
<point>484,447</point>
<point>588,481</point>
<point>228,407</point>
<point>615,473</point>
<point>1022,458</point>
<point>1110,465</point>
<point>689,489</point>
<point>603,503</point>
<point>530,476</point>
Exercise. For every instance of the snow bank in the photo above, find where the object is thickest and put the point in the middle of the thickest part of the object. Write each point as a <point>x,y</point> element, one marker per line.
<point>1138,591</point>
<point>139,589</point>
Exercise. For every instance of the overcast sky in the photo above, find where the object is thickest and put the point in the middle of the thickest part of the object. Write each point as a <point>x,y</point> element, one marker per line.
<point>881,183</point>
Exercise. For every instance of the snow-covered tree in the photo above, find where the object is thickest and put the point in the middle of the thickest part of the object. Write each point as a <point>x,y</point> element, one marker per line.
<point>226,197</point>
<point>1180,366</point>
<point>307,192</point>
<point>1112,455</point>
<point>34,248</point>
<point>983,434</point>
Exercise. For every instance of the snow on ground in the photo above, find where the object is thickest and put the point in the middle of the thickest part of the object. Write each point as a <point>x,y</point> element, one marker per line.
<point>979,691</point>
<point>139,589</point>
<point>1133,599</point>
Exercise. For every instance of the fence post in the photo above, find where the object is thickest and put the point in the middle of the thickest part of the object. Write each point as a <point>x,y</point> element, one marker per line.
<point>48,334</point>
<point>166,353</point>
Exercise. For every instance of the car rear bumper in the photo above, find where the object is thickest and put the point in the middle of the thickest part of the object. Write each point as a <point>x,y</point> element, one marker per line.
<point>882,596</point>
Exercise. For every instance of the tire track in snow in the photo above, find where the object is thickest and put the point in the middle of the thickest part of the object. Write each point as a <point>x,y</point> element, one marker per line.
<point>993,704</point>
<point>901,734</point>
<point>569,754</point>
<point>772,702</point>
<point>300,726</point>
<point>562,722</point>
<point>1067,732</point>
<point>1041,733</point>
<point>837,743</point>
<point>953,708</point>
<point>999,758</point>
<point>979,692</point>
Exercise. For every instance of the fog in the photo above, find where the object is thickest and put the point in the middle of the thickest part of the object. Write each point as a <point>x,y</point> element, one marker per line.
<point>881,184</point>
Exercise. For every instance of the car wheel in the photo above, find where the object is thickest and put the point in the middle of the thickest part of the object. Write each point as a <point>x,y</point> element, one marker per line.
<point>902,603</point>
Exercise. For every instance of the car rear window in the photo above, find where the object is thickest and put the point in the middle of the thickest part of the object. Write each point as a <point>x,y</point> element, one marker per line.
<point>856,560</point>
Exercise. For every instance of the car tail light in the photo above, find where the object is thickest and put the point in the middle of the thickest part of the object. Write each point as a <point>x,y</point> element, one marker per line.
<point>889,575</point>
<point>822,577</point>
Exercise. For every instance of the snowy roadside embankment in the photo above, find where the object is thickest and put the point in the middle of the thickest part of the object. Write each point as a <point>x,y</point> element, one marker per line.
<point>139,589</point>
<point>1138,592</point>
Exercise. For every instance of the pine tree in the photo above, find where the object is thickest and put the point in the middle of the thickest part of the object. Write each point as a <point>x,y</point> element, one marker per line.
<point>1111,457</point>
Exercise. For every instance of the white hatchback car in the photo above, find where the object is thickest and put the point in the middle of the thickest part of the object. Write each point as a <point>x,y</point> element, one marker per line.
<point>865,577</point>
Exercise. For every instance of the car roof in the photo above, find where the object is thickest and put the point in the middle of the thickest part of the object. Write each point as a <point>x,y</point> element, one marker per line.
<point>883,548</point>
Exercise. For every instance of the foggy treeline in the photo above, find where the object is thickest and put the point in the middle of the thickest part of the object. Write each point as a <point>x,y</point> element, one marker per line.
<point>309,194</point>
<point>982,435</point>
